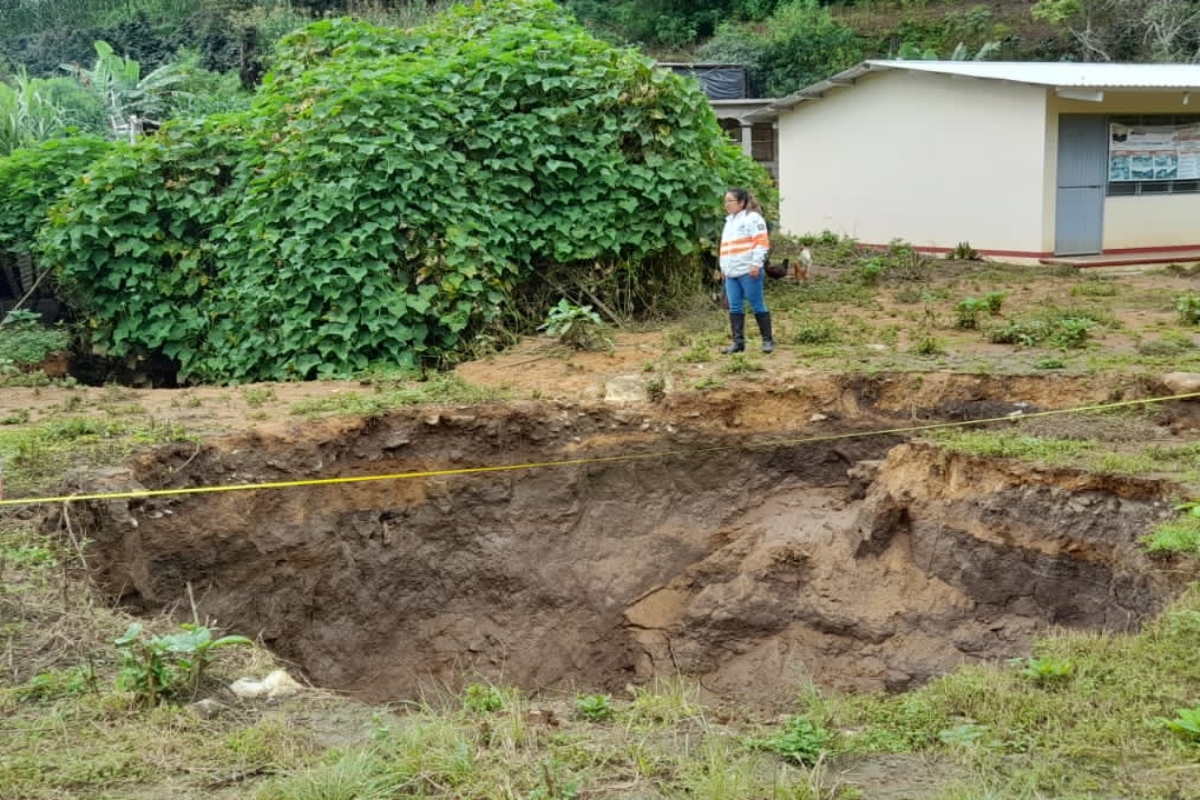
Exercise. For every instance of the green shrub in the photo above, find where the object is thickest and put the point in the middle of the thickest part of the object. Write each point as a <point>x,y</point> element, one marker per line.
<point>968,311</point>
<point>1060,331</point>
<point>801,43</point>
<point>33,178</point>
<point>963,252</point>
<point>1188,308</point>
<point>1024,333</point>
<point>483,698</point>
<point>1046,671</point>
<point>164,667</point>
<point>393,193</point>
<point>870,271</point>
<point>814,331</point>
<point>594,707</point>
<point>929,346</point>
<point>801,739</point>
<point>576,326</point>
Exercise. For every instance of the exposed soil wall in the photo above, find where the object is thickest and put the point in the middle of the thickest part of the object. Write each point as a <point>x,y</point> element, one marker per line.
<point>855,562</point>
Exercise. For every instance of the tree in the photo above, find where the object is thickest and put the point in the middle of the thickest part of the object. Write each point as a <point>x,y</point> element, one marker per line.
<point>1128,30</point>
<point>674,23</point>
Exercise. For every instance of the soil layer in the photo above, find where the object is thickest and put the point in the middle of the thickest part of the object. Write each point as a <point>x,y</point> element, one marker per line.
<point>757,540</point>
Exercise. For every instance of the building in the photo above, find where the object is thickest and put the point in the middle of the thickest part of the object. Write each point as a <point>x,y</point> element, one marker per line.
<point>1022,161</point>
<point>729,93</point>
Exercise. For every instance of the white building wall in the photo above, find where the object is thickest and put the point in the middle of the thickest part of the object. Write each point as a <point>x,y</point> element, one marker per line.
<point>1152,222</point>
<point>928,159</point>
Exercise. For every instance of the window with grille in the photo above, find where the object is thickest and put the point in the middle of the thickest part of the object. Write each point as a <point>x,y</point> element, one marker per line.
<point>1172,169</point>
<point>762,141</point>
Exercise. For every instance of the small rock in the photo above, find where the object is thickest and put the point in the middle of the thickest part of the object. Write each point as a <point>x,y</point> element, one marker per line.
<point>625,389</point>
<point>1182,382</point>
<point>208,708</point>
<point>818,418</point>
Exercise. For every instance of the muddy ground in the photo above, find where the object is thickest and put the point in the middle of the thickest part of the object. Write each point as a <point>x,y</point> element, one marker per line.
<point>791,524</point>
<point>559,545</point>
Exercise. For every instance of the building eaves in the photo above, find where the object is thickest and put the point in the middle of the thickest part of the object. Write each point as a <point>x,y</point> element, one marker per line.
<point>1057,74</point>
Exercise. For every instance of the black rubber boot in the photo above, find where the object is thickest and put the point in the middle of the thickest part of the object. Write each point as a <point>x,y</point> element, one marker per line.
<point>764,328</point>
<point>737,323</point>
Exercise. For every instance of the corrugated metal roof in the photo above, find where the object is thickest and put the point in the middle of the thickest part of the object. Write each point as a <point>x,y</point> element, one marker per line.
<point>1059,74</point>
<point>1064,73</point>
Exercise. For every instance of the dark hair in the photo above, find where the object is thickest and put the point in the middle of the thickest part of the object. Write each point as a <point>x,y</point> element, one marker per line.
<point>744,197</point>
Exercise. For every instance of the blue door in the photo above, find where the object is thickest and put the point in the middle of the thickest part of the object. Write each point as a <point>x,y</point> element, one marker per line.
<point>1082,172</point>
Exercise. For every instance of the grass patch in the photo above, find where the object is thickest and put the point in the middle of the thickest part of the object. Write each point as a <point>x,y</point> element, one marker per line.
<point>813,330</point>
<point>1048,726</point>
<point>1002,443</point>
<point>399,392</point>
<point>23,339</point>
<point>37,457</point>
<point>1170,345</point>
<point>740,364</point>
<point>1179,536</point>
<point>821,290</point>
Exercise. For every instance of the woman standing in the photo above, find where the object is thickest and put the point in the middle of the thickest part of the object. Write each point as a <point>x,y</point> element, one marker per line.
<point>744,246</point>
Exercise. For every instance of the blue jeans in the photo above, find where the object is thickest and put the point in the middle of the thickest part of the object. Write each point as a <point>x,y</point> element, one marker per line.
<point>744,289</point>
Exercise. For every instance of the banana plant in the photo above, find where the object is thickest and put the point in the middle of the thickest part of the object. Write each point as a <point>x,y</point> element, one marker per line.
<point>125,92</point>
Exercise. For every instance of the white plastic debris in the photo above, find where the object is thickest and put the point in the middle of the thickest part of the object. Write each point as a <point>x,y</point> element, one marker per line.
<point>277,684</point>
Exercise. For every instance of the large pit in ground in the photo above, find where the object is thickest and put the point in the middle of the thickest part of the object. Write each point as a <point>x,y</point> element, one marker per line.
<point>834,553</point>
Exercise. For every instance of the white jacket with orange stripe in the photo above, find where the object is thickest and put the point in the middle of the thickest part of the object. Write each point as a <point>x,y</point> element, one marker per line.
<point>744,243</point>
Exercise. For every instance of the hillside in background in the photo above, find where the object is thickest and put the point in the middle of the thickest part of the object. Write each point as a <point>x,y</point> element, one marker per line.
<point>943,24</point>
<point>236,35</point>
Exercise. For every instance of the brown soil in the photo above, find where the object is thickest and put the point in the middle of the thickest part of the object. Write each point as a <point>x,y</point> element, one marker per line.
<point>789,525</point>
<point>622,544</point>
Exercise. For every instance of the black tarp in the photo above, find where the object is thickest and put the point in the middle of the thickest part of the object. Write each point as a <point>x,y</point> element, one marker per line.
<point>718,82</point>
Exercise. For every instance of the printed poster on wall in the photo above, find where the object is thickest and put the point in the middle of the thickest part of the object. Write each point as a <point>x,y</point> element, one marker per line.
<point>1154,152</point>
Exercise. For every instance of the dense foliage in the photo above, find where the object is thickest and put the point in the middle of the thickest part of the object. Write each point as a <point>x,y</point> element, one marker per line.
<point>669,22</point>
<point>803,44</point>
<point>1128,30</point>
<point>32,178</point>
<point>389,195</point>
<point>227,35</point>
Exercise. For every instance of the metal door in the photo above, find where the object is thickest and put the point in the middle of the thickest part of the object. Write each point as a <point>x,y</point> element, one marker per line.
<point>1082,172</point>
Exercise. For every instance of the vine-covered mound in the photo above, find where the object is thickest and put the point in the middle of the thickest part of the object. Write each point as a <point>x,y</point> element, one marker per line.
<point>388,196</point>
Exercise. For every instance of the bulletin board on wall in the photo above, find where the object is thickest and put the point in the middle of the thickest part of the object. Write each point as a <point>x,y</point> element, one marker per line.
<point>1153,152</point>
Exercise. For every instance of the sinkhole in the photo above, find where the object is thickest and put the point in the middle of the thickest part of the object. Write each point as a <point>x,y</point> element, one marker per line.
<point>616,546</point>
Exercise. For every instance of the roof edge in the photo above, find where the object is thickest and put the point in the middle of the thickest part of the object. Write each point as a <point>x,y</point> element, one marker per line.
<point>1054,75</point>
<point>816,91</point>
